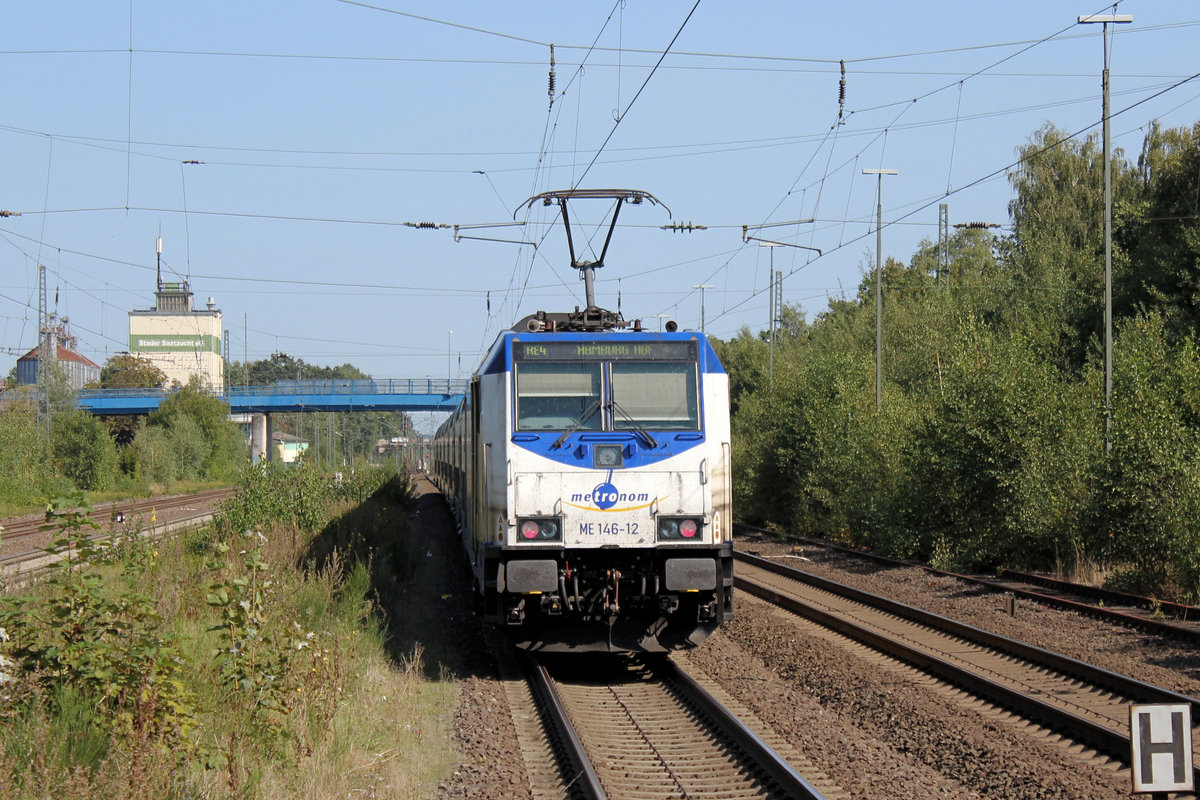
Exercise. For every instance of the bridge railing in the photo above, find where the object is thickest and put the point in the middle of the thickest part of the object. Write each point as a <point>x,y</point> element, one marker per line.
<point>383,386</point>
<point>369,386</point>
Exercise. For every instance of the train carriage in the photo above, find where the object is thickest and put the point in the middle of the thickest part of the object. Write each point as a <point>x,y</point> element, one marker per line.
<point>589,474</point>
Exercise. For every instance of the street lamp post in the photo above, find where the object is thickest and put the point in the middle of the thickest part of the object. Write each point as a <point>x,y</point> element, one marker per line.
<point>702,287</point>
<point>1105,19</point>
<point>879,173</point>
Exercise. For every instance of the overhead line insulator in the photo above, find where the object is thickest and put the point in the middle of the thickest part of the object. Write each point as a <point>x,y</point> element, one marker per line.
<point>683,227</point>
<point>550,89</point>
<point>842,96</point>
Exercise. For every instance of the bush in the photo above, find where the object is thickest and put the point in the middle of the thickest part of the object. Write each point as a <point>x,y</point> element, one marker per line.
<point>269,492</point>
<point>155,456</point>
<point>1150,501</point>
<point>100,656</point>
<point>1003,468</point>
<point>207,444</point>
<point>83,451</point>
<point>21,469</point>
<point>190,448</point>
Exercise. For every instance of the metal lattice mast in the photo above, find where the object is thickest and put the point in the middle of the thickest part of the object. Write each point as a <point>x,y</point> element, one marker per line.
<point>45,358</point>
<point>943,251</point>
<point>778,299</point>
<point>772,316</point>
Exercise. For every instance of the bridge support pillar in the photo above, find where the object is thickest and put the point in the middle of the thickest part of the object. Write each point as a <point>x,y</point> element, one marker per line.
<point>259,439</point>
<point>270,438</point>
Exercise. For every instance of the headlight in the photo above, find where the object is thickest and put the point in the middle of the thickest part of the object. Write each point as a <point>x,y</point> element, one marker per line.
<point>539,529</point>
<point>608,456</point>
<point>678,529</point>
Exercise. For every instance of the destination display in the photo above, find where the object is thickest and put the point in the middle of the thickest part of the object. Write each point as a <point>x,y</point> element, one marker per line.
<point>604,351</point>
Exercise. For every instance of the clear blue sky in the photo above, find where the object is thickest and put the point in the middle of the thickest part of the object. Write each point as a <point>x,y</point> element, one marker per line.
<point>323,126</point>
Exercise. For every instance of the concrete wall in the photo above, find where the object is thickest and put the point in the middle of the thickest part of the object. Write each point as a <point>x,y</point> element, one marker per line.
<point>181,344</point>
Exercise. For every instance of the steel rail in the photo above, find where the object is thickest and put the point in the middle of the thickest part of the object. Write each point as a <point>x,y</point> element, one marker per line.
<point>1156,626</point>
<point>583,783</point>
<point>33,524</point>
<point>1103,738</point>
<point>17,569</point>
<point>1181,611</point>
<point>773,765</point>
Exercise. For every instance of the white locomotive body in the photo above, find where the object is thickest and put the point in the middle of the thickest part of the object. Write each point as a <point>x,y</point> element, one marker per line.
<point>589,474</point>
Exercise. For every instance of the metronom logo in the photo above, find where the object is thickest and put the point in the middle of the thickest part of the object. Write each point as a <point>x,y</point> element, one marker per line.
<point>605,496</point>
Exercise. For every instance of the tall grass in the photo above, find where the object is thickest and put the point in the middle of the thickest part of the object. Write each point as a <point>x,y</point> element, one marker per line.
<point>257,671</point>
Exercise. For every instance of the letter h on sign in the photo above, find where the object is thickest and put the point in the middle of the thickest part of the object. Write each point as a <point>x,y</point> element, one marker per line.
<point>1161,740</point>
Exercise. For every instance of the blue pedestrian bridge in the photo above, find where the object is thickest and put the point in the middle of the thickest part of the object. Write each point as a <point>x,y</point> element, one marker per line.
<point>389,394</point>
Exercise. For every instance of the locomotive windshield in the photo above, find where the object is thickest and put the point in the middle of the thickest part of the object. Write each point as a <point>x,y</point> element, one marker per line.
<point>638,385</point>
<point>656,396</point>
<point>552,397</point>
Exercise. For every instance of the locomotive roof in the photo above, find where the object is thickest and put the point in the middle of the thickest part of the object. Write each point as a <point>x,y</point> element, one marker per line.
<point>500,357</point>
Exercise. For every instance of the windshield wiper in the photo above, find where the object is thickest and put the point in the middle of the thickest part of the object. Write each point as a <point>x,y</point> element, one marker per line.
<point>633,426</point>
<point>591,411</point>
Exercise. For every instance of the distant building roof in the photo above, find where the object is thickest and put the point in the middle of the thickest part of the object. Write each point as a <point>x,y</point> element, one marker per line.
<point>63,355</point>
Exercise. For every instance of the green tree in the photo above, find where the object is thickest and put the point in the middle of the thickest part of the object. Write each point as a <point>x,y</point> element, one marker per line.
<point>1057,253</point>
<point>1161,232</point>
<point>973,258</point>
<point>155,461</point>
<point>128,371</point>
<point>282,367</point>
<point>22,467</point>
<point>220,439</point>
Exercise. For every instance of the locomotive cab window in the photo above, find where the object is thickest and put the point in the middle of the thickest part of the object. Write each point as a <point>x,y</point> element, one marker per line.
<point>655,395</point>
<point>554,397</point>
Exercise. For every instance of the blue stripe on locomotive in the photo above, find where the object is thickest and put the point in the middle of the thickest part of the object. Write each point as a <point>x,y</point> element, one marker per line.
<point>576,450</point>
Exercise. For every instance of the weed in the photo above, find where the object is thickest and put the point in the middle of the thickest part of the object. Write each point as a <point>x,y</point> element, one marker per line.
<point>1156,609</point>
<point>251,662</point>
<point>97,657</point>
<point>269,678</point>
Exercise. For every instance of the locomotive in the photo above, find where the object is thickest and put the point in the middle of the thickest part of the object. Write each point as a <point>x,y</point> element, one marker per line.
<point>588,471</point>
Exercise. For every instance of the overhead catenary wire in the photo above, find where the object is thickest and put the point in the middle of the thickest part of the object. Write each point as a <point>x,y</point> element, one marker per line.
<point>906,105</point>
<point>691,149</point>
<point>557,162</point>
<point>575,75</point>
<point>636,95</point>
<point>753,57</point>
<point>993,174</point>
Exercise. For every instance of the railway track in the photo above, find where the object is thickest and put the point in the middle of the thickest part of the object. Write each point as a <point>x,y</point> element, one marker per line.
<point>1075,699</point>
<point>25,538</point>
<point>620,727</point>
<point>1159,617</point>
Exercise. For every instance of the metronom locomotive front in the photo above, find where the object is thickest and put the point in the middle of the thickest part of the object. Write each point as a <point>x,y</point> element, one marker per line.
<point>588,470</point>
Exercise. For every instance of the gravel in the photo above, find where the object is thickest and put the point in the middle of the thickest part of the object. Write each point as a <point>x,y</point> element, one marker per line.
<point>490,763</point>
<point>1159,660</point>
<point>873,731</point>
